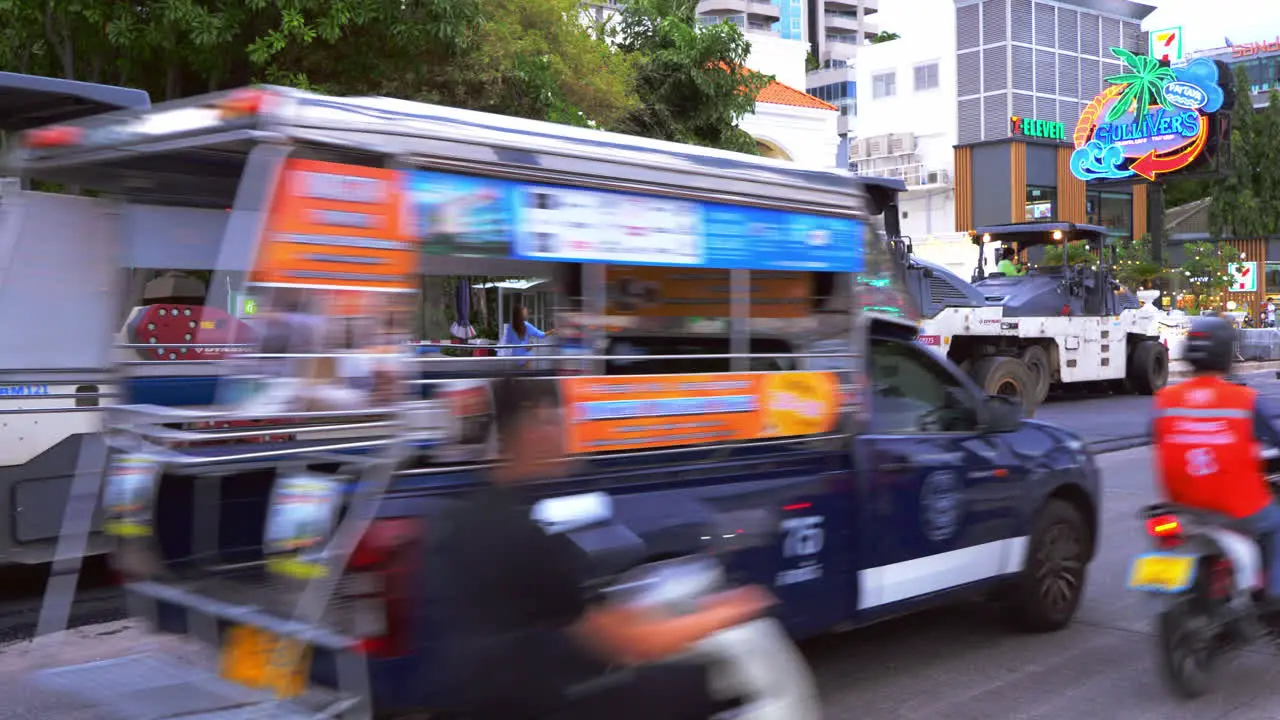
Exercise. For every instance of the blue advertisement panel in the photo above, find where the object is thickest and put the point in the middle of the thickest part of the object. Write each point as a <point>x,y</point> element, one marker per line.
<point>466,215</point>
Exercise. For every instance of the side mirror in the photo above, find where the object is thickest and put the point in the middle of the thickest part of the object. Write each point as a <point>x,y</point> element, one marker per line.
<point>1001,414</point>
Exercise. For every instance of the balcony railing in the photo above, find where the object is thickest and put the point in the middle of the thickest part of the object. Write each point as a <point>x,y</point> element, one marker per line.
<point>913,175</point>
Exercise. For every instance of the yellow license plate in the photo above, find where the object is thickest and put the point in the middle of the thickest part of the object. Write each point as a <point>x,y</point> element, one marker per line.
<point>1162,572</point>
<point>261,660</point>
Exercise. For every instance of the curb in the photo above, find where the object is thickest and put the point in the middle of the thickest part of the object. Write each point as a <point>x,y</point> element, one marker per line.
<point>1110,445</point>
<point>1179,370</point>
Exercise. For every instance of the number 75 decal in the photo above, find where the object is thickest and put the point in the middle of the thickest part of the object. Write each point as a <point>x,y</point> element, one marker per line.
<point>802,536</point>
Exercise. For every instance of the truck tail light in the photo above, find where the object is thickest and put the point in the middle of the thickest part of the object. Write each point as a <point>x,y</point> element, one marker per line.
<point>380,584</point>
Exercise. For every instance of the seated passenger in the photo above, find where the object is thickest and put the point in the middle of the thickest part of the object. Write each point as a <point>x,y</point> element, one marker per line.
<point>1009,263</point>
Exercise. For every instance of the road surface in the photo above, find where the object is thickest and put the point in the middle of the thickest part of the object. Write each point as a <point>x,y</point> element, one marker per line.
<point>1106,418</point>
<point>959,664</point>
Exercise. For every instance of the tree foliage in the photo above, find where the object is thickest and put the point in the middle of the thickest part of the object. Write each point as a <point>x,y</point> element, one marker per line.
<point>691,80</point>
<point>1246,196</point>
<point>1205,268</point>
<point>655,71</point>
<point>1077,254</point>
<point>1135,265</point>
<point>884,36</point>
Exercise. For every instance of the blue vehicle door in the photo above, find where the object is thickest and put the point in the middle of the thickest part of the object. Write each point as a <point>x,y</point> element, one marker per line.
<point>940,498</point>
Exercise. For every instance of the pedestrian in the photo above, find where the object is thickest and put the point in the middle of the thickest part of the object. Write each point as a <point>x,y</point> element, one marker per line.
<point>518,334</point>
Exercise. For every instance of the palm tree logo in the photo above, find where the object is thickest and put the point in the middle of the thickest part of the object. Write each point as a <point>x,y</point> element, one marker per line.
<point>1143,84</point>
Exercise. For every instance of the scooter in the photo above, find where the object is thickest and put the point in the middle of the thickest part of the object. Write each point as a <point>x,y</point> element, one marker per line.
<point>755,667</point>
<point>1207,571</point>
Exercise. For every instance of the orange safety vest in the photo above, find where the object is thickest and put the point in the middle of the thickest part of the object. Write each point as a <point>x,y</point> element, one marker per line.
<point>1208,454</point>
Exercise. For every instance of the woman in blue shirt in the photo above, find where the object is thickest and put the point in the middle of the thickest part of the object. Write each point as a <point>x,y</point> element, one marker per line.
<point>519,332</point>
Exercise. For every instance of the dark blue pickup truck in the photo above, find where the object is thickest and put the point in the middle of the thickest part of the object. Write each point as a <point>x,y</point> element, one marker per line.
<point>886,479</point>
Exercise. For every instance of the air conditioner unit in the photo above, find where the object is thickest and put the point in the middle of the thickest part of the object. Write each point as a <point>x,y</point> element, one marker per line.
<point>903,143</point>
<point>877,146</point>
<point>939,177</point>
<point>858,148</point>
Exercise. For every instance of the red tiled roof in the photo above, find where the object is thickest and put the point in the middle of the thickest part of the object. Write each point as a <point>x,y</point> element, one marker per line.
<point>782,94</point>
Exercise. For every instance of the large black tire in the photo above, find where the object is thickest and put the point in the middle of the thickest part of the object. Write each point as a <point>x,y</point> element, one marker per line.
<point>1048,591</point>
<point>1037,362</point>
<point>1148,369</point>
<point>999,375</point>
<point>1186,649</point>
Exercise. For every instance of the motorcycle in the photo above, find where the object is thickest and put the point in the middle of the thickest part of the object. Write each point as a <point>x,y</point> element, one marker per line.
<point>1207,570</point>
<point>755,668</point>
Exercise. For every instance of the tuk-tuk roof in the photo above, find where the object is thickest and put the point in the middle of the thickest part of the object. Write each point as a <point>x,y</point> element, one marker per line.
<point>133,148</point>
<point>29,101</point>
<point>1038,233</point>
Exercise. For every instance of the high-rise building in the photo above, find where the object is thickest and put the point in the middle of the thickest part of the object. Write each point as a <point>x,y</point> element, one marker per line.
<point>838,27</point>
<point>761,16</point>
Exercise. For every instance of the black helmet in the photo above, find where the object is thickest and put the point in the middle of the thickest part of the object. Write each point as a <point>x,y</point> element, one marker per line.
<point>1211,344</point>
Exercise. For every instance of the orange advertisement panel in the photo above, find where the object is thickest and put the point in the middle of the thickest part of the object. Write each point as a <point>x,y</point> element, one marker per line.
<point>654,411</point>
<point>649,291</point>
<point>337,225</point>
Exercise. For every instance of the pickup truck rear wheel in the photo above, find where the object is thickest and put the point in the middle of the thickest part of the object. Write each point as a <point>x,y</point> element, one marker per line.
<point>1148,369</point>
<point>1048,591</point>
<point>1008,376</point>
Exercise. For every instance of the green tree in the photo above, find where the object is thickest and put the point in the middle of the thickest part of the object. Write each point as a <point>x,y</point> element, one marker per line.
<point>533,59</point>
<point>811,62</point>
<point>1246,193</point>
<point>884,37</point>
<point>691,80</point>
<point>1077,254</point>
<point>1205,268</point>
<point>1180,191</point>
<point>1135,266</point>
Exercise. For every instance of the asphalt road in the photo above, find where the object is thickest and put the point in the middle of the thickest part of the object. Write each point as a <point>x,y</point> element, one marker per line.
<point>1111,419</point>
<point>961,663</point>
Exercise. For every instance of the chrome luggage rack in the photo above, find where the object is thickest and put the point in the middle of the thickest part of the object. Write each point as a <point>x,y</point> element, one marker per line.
<point>370,444</point>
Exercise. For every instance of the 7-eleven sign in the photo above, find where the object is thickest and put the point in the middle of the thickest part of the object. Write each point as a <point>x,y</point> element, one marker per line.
<point>1244,276</point>
<point>1166,44</point>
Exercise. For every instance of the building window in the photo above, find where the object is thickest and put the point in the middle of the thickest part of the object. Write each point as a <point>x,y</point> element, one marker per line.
<point>1271,276</point>
<point>927,77</point>
<point>884,85</point>
<point>1113,211</point>
<point>1041,203</point>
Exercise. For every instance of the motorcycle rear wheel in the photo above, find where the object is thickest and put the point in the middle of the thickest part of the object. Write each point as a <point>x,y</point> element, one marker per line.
<point>1188,654</point>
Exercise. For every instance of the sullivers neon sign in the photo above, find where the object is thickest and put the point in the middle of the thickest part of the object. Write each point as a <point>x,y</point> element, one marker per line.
<point>1150,121</point>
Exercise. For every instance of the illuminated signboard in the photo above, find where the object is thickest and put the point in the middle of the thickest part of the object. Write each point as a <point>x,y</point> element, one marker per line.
<point>1152,120</point>
<point>1046,129</point>
<point>1262,47</point>
<point>1244,276</point>
<point>1166,44</point>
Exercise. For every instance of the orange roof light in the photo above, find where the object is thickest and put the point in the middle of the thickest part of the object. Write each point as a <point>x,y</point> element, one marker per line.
<point>246,101</point>
<point>53,136</point>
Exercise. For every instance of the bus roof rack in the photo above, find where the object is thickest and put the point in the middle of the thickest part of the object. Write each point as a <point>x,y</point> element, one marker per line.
<point>31,101</point>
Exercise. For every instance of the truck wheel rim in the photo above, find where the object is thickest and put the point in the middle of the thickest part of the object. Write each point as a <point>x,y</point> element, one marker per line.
<point>1009,388</point>
<point>1059,568</point>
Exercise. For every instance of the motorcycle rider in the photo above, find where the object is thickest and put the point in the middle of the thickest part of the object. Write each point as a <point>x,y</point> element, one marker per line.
<point>1208,434</point>
<point>521,639</point>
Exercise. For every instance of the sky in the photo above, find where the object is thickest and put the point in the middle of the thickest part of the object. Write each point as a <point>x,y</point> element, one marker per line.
<point>1243,21</point>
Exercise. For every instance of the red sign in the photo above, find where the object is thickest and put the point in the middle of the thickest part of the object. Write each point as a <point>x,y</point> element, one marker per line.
<point>1255,48</point>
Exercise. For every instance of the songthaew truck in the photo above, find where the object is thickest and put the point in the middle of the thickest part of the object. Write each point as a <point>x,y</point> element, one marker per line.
<point>769,373</point>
